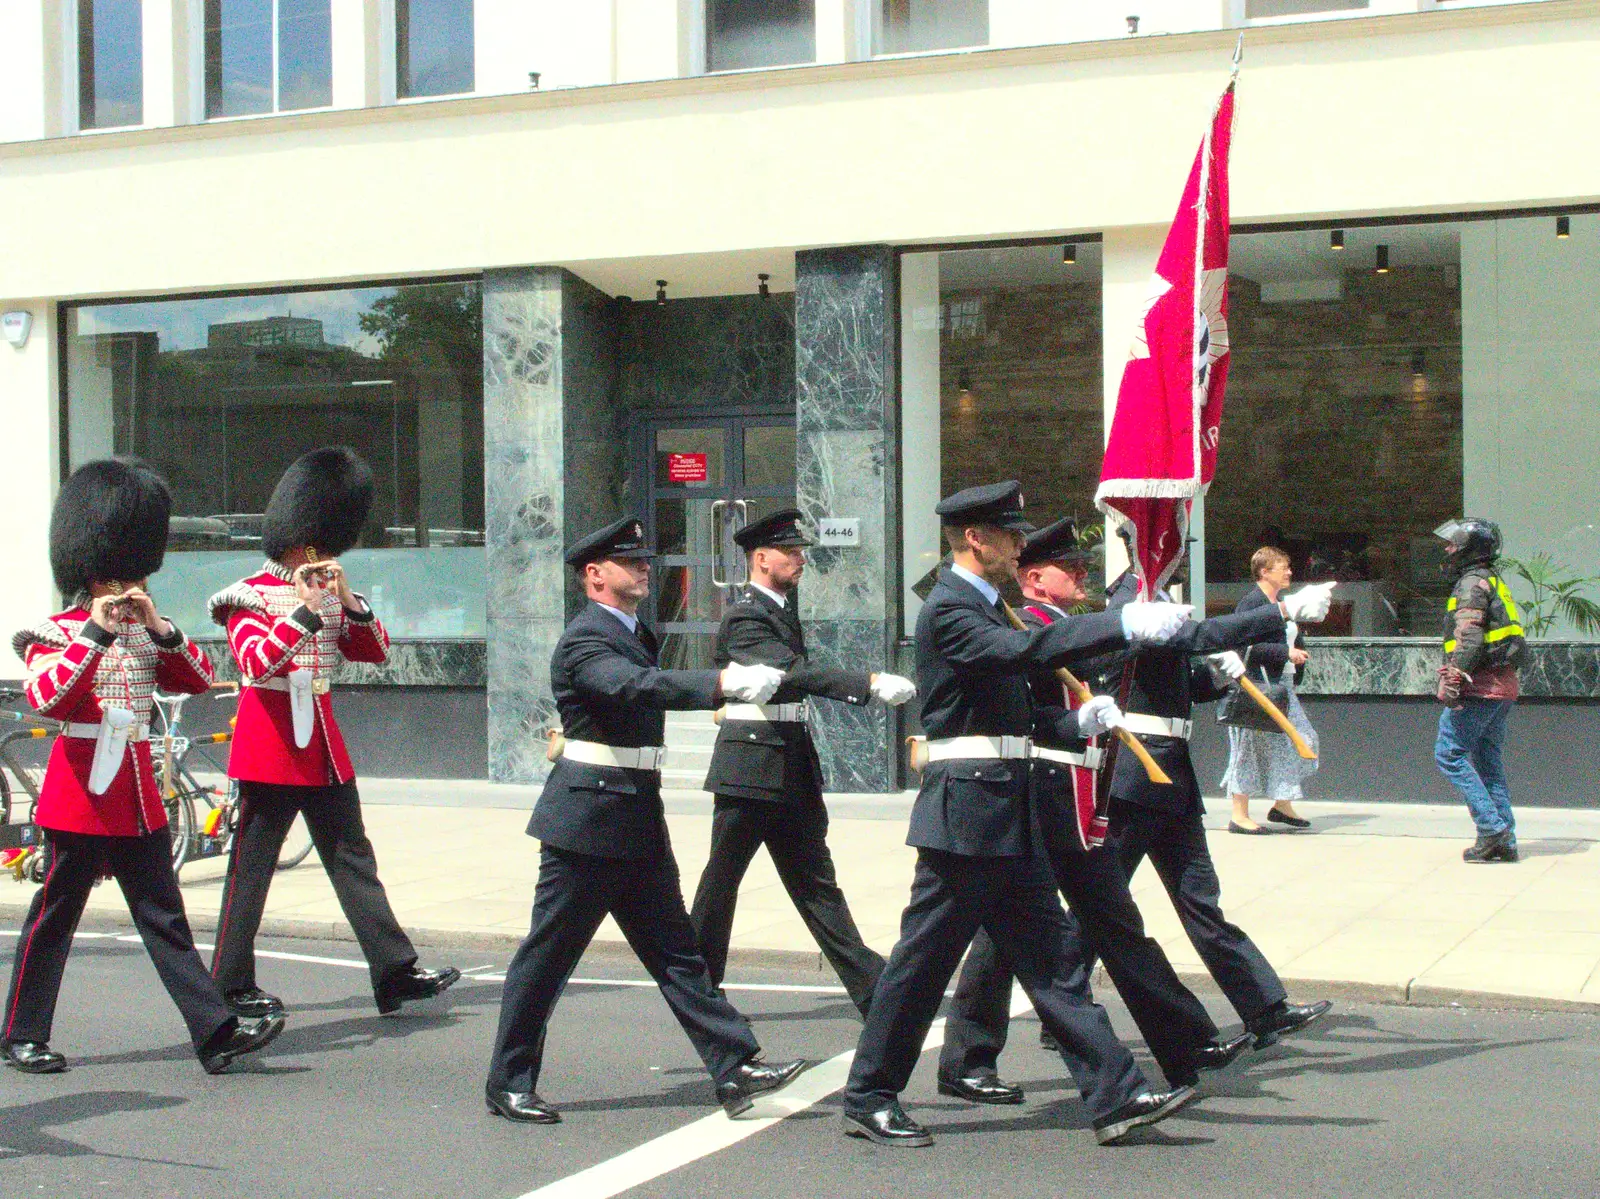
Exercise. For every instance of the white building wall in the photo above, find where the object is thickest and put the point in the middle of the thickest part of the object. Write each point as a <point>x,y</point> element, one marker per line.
<point>28,456</point>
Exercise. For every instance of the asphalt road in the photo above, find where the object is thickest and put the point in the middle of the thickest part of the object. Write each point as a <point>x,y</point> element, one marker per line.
<point>1375,1101</point>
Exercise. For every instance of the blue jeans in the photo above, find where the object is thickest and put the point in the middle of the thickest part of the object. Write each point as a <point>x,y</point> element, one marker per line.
<point>1468,752</point>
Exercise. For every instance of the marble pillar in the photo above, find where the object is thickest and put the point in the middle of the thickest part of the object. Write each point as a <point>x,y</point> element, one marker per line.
<point>846,324</point>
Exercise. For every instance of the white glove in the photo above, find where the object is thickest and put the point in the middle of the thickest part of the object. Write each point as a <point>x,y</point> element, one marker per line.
<point>1230,663</point>
<point>750,684</point>
<point>1156,622</point>
<point>892,689</point>
<point>1309,604</point>
<point>1099,715</point>
<point>1291,633</point>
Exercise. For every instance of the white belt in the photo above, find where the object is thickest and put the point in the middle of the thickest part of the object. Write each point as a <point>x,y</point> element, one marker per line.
<point>1090,758</point>
<point>782,713</point>
<point>1157,726</point>
<point>648,757</point>
<point>946,749</point>
<point>72,728</point>
<point>280,683</point>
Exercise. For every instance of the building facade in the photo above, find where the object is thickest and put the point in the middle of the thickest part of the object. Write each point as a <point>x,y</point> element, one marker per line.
<point>545,262</point>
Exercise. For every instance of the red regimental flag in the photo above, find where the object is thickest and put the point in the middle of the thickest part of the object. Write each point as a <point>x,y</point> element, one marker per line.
<point>1164,435</point>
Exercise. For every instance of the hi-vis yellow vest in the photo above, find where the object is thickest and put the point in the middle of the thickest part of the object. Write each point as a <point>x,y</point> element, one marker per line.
<point>1502,621</point>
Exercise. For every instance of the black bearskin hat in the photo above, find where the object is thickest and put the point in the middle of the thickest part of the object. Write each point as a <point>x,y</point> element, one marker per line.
<point>109,523</point>
<point>321,501</point>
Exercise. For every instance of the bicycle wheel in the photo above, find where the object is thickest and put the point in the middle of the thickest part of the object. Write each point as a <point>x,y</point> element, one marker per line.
<point>295,846</point>
<point>5,798</point>
<point>181,825</point>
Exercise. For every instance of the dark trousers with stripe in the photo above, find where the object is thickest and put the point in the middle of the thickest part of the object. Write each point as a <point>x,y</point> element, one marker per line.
<point>952,897</point>
<point>333,816</point>
<point>575,893</point>
<point>795,834</point>
<point>142,867</point>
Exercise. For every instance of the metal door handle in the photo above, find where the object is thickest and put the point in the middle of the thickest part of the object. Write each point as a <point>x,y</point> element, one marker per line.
<point>717,507</point>
<point>744,520</point>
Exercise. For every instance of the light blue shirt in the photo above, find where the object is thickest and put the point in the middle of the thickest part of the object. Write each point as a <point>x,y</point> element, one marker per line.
<point>985,588</point>
<point>631,623</point>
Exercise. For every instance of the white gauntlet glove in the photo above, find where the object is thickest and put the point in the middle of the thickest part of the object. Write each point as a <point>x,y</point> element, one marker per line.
<point>1230,663</point>
<point>1099,715</point>
<point>1157,622</point>
<point>1309,604</point>
<point>892,689</point>
<point>750,684</point>
<point>1291,633</point>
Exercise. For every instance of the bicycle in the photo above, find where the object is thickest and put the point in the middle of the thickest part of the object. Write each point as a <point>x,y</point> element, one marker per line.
<point>23,850</point>
<point>196,837</point>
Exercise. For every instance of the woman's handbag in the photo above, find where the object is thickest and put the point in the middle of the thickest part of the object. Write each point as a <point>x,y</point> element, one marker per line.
<point>1241,712</point>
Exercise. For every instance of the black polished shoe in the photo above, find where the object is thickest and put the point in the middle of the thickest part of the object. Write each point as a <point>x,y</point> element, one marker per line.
<point>33,1057</point>
<point>1150,1108</point>
<point>1283,1018</point>
<point>523,1106</point>
<point>985,1087</point>
<point>412,983</point>
<point>1218,1055</point>
<point>247,1037</point>
<point>886,1126</point>
<point>252,1003</point>
<point>1278,817</point>
<point>753,1078</point>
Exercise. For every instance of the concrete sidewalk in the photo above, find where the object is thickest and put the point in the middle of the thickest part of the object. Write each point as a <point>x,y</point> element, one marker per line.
<point>1374,903</point>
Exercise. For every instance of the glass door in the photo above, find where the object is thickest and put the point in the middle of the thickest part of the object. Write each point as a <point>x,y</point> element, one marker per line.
<point>709,477</point>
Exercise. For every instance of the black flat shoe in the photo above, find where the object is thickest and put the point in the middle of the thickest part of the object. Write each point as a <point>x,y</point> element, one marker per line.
<point>1286,1018</point>
<point>886,1126</point>
<point>523,1106</point>
<point>1150,1108</point>
<point>411,983</point>
<point>1278,817</point>
<point>1047,1041</point>
<point>1258,831</point>
<point>1218,1055</point>
<point>753,1078</point>
<point>980,1088</point>
<point>252,1003</point>
<point>34,1057</point>
<point>247,1037</point>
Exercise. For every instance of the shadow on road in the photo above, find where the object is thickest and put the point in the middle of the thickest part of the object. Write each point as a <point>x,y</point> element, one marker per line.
<point>22,1128</point>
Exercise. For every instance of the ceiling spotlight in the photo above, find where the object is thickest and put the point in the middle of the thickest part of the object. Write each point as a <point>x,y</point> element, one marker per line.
<point>762,289</point>
<point>1382,267</point>
<point>1563,226</point>
<point>661,291</point>
<point>1336,240</point>
<point>1069,253</point>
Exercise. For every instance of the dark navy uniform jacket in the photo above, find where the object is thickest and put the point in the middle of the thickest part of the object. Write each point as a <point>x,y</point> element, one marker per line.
<point>774,760</point>
<point>1166,680</point>
<point>1054,727</point>
<point>608,689</point>
<point>972,678</point>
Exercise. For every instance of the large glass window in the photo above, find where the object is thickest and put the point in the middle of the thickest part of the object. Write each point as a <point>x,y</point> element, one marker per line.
<point>433,47</point>
<point>268,56</point>
<point>1256,9</point>
<point>903,26</point>
<point>741,34</point>
<point>221,394</point>
<point>110,63</point>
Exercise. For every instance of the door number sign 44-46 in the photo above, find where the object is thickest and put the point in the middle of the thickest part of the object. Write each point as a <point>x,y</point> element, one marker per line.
<point>839,530</point>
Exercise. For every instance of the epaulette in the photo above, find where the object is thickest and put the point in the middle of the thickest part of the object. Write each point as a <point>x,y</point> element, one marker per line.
<point>46,632</point>
<point>239,595</point>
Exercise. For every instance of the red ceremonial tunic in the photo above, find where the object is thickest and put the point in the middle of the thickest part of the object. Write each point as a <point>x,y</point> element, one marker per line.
<point>273,634</point>
<point>75,666</point>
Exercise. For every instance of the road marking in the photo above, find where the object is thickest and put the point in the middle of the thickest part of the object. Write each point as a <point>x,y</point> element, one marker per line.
<point>714,1133</point>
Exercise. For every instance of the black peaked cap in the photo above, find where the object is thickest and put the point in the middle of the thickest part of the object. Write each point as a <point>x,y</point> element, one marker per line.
<point>780,529</point>
<point>1056,542</point>
<point>998,504</point>
<point>620,539</point>
<point>109,524</point>
<point>321,501</point>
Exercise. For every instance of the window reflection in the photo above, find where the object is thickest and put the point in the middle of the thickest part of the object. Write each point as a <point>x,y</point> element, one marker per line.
<point>741,34</point>
<point>221,394</point>
<point>905,26</point>
<point>110,64</point>
<point>267,56</point>
<point>433,47</point>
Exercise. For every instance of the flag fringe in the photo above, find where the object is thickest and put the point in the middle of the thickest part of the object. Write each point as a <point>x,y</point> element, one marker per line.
<point>1147,489</point>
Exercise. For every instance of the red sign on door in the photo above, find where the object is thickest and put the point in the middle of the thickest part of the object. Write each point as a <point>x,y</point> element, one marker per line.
<point>686,468</point>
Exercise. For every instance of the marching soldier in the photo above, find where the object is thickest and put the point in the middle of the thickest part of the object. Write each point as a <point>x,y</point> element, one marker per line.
<point>976,863</point>
<point>289,626</point>
<point>1158,688</point>
<point>1102,916</point>
<point>94,667</point>
<point>604,833</point>
<point>765,772</point>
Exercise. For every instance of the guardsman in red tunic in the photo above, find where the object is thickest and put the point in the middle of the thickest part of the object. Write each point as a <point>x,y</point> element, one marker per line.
<point>94,667</point>
<point>289,626</point>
